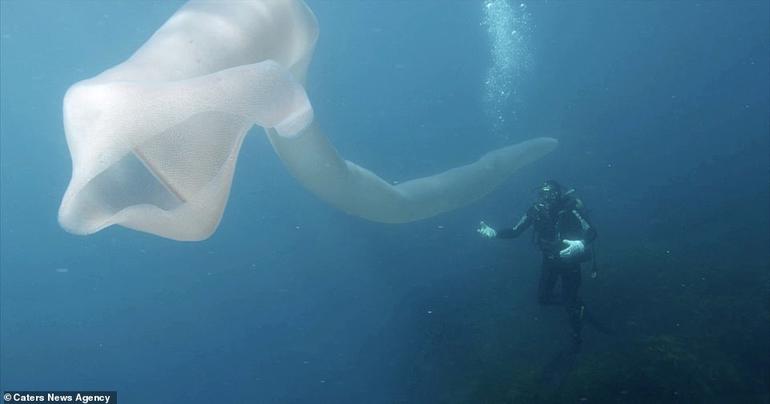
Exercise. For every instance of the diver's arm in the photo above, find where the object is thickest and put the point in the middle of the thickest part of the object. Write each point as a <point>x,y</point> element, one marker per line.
<point>515,231</point>
<point>576,248</point>
<point>589,231</point>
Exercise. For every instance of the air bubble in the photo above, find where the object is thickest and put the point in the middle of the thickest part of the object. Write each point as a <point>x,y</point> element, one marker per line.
<point>507,29</point>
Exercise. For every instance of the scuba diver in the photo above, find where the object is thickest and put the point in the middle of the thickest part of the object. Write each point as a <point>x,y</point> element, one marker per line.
<point>564,235</point>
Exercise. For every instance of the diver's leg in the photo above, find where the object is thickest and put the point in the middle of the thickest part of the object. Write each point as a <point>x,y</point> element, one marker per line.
<point>570,284</point>
<point>548,275</point>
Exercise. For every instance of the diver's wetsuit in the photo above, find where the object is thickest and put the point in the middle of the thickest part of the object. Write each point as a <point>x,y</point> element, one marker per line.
<point>564,220</point>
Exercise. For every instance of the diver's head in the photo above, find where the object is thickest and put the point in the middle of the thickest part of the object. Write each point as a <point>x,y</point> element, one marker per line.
<point>549,193</point>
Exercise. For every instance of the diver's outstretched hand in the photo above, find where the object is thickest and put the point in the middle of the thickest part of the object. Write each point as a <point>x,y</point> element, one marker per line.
<point>486,231</point>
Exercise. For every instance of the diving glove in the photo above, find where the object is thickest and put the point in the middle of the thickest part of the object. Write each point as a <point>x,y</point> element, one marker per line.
<point>486,231</point>
<point>575,249</point>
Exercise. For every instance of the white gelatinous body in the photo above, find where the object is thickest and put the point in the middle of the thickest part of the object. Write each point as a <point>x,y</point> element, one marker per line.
<point>154,140</point>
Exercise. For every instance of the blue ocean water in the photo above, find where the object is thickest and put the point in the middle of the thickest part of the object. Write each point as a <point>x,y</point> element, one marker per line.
<point>662,112</point>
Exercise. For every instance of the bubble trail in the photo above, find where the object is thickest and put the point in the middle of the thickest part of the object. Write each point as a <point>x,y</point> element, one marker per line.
<point>508,30</point>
